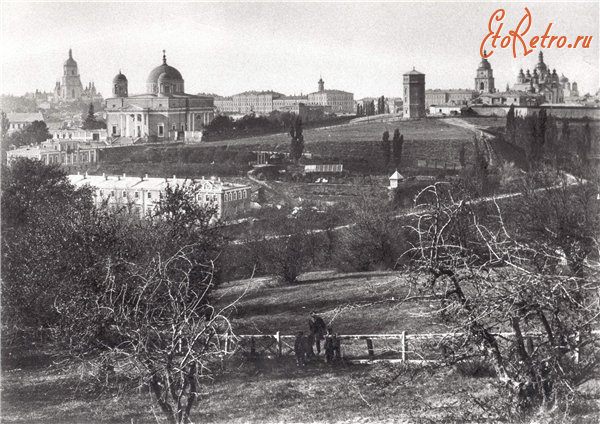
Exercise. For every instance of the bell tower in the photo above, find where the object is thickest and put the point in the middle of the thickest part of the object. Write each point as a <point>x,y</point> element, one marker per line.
<point>484,79</point>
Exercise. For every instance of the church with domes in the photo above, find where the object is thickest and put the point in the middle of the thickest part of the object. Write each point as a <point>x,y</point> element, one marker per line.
<point>164,113</point>
<point>545,82</point>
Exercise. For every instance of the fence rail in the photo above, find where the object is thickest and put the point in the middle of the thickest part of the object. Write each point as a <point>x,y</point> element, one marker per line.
<point>402,347</point>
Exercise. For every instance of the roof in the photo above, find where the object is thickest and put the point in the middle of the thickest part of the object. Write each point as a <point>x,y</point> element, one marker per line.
<point>332,92</point>
<point>170,72</point>
<point>510,93</point>
<point>115,182</point>
<point>257,93</point>
<point>24,117</point>
<point>414,72</point>
<point>119,77</point>
<point>396,176</point>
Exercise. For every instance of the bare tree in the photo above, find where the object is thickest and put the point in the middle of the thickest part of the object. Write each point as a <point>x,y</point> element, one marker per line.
<point>489,283</point>
<point>164,330</point>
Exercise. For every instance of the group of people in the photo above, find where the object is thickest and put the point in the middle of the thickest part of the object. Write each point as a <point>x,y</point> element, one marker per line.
<point>303,345</point>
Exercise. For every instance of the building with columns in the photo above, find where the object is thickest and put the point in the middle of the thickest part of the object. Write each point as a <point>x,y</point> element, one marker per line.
<point>164,113</point>
<point>414,94</point>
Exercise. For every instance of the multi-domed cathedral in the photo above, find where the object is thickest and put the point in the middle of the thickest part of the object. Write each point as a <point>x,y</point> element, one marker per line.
<point>546,82</point>
<point>163,113</point>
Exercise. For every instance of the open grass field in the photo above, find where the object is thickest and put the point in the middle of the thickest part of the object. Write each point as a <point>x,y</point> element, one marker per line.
<point>275,391</point>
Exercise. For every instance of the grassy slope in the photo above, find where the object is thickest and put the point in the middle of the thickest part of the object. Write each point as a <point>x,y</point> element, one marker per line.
<point>360,303</point>
<point>276,390</point>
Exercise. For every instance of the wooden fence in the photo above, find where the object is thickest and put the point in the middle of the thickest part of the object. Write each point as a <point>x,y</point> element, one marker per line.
<point>362,348</point>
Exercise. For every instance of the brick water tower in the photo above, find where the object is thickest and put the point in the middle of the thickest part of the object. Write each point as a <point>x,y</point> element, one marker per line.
<point>414,94</point>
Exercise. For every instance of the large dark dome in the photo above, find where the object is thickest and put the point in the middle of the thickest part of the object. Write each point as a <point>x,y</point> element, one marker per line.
<point>171,79</point>
<point>170,73</point>
<point>119,78</point>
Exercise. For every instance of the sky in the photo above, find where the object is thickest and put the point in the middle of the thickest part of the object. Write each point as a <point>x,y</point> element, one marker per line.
<point>230,47</point>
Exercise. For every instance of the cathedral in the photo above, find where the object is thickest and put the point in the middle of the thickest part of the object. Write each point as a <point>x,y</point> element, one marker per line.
<point>165,112</point>
<point>70,89</point>
<point>546,82</point>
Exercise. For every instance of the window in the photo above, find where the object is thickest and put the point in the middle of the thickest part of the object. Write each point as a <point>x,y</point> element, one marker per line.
<point>137,195</point>
<point>161,130</point>
<point>101,192</point>
<point>244,194</point>
<point>124,193</point>
<point>112,194</point>
<point>149,195</point>
<point>235,195</point>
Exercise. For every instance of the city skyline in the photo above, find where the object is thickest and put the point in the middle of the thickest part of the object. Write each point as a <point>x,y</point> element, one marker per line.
<point>227,48</point>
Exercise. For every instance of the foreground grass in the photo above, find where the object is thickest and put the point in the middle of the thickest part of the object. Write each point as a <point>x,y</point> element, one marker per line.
<point>34,390</point>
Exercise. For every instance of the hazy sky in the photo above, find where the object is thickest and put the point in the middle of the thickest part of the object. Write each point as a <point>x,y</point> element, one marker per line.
<point>226,48</point>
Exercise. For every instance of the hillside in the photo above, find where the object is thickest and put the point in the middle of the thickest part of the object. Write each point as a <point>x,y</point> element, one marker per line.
<point>430,144</point>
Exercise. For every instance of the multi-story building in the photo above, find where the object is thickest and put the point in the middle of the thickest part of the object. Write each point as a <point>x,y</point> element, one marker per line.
<point>224,105</point>
<point>82,136</point>
<point>143,194</point>
<point>340,101</point>
<point>17,121</point>
<point>414,94</point>
<point>165,112</point>
<point>284,103</point>
<point>259,102</point>
<point>54,152</point>
<point>512,97</point>
<point>449,97</point>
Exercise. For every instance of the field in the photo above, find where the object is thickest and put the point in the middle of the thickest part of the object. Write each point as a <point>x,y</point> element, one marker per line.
<point>269,391</point>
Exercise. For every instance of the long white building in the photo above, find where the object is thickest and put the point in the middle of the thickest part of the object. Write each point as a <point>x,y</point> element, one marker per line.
<point>143,194</point>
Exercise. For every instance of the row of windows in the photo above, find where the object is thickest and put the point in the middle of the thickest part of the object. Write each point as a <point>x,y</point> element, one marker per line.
<point>136,194</point>
<point>236,195</point>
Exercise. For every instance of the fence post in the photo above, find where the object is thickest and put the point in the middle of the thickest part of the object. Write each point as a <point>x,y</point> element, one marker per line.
<point>577,352</point>
<point>278,339</point>
<point>370,348</point>
<point>252,347</point>
<point>403,351</point>
<point>227,342</point>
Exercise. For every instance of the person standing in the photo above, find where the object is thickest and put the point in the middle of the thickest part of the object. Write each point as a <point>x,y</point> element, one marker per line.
<point>300,349</point>
<point>329,346</point>
<point>317,330</point>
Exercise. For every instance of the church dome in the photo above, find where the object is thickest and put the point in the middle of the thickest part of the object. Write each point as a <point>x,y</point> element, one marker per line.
<point>119,78</point>
<point>484,62</point>
<point>167,74</point>
<point>564,79</point>
<point>70,61</point>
